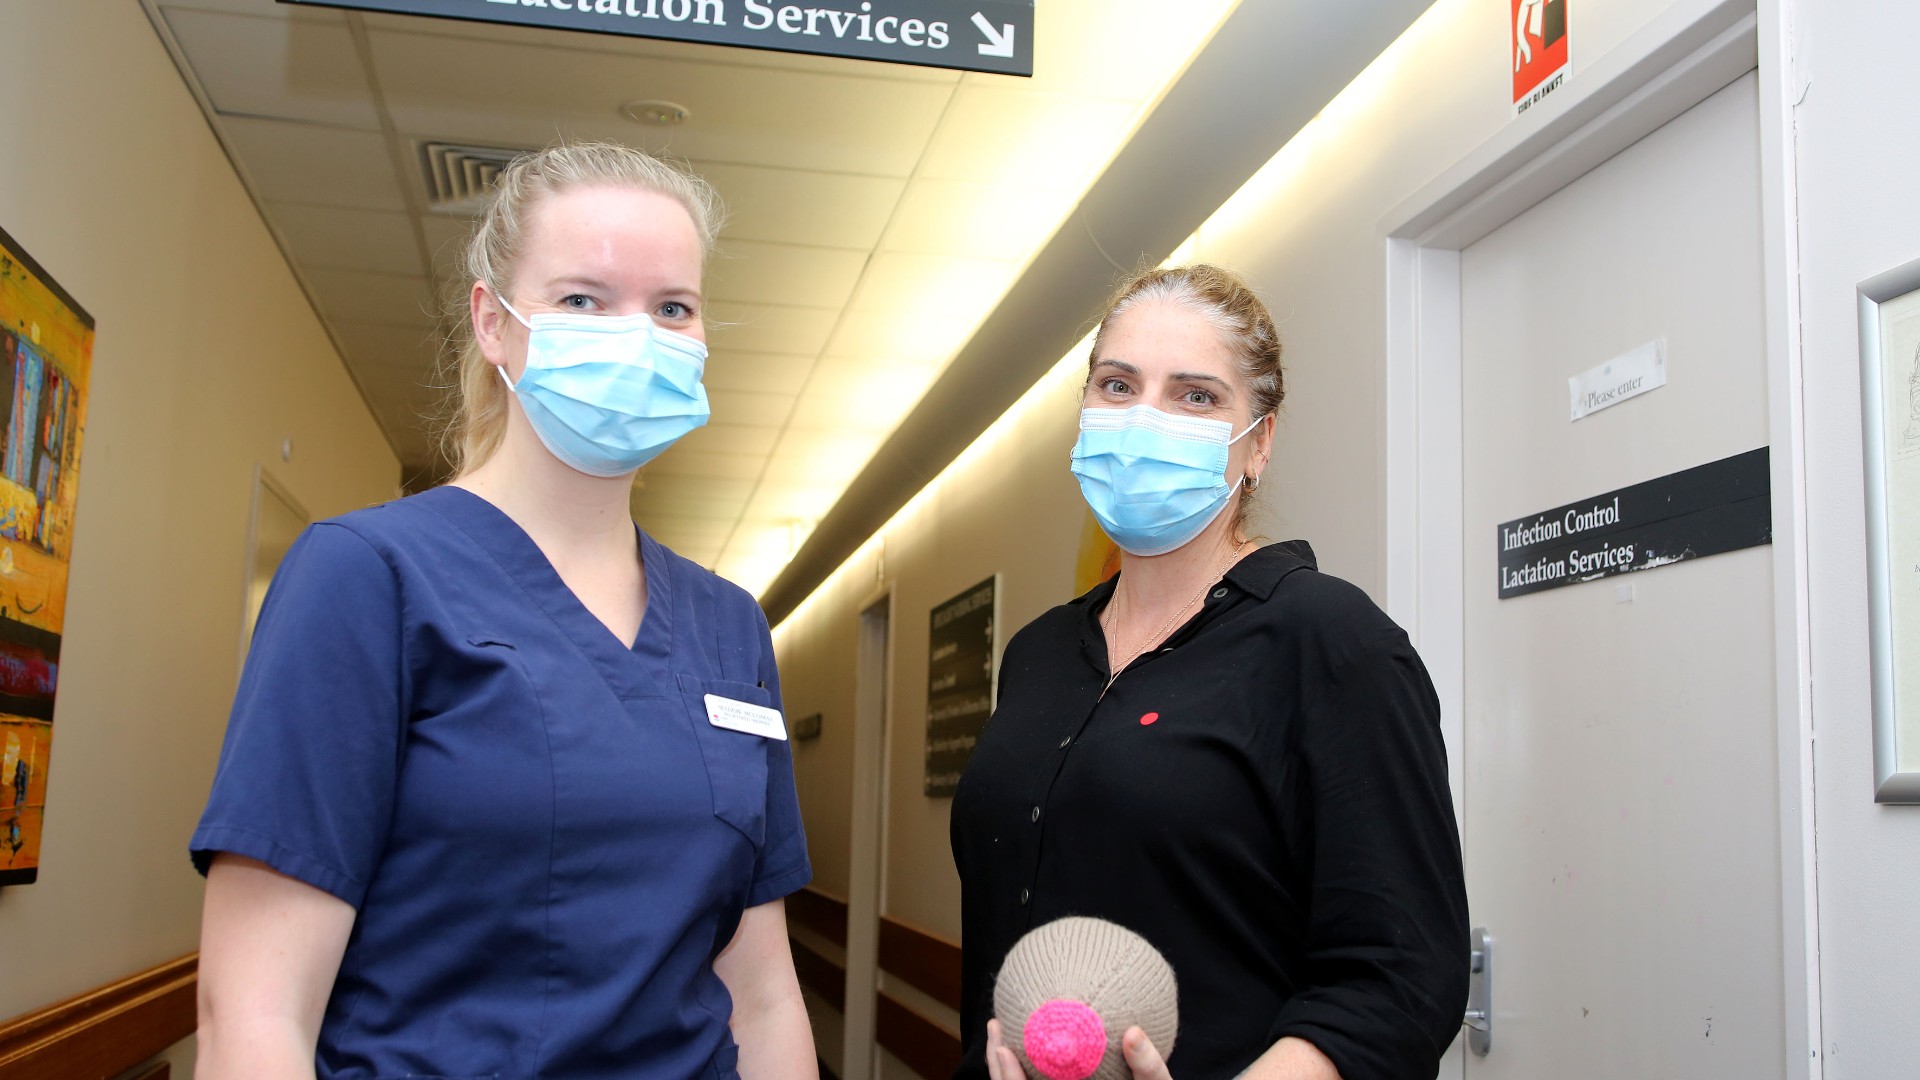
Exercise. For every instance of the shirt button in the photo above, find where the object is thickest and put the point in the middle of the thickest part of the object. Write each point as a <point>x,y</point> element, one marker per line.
<point>1036,813</point>
<point>1065,741</point>
<point>1219,592</point>
<point>1024,897</point>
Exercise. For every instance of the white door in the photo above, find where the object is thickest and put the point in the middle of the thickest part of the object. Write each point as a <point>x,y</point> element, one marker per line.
<point>1620,812</point>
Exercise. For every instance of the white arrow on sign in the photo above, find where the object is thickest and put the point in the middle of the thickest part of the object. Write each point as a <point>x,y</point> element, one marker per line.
<point>999,42</point>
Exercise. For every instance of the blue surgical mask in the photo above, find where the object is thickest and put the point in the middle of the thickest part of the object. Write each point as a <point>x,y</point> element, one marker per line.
<point>1153,480</point>
<point>607,394</point>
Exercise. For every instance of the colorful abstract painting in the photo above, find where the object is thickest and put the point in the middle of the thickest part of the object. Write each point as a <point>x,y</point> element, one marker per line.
<point>46,348</point>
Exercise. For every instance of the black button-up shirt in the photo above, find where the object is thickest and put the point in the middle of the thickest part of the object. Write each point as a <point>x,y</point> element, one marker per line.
<point>1263,797</point>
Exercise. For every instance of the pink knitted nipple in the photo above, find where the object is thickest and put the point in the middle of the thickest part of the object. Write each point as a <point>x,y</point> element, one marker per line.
<point>1070,989</point>
<point>1065,1040</point>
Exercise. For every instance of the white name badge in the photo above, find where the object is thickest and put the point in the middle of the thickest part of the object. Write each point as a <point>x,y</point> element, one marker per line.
<point>745,716</point>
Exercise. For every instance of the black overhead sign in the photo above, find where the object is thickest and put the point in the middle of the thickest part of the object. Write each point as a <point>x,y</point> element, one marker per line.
<point>1722,506</point>
<point>959,682</point>
<point>971,35</point>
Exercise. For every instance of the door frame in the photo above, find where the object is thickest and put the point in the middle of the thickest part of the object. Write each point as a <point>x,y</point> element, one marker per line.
<point>1679,59</point>
<point>867,843</point>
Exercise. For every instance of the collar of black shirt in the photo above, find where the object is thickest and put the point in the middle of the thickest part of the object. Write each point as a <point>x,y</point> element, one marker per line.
<point>1256,575</point>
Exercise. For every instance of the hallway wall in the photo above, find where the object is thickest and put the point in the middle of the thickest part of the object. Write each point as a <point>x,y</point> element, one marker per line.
<point>206,358</point>
<point>1857,163</point>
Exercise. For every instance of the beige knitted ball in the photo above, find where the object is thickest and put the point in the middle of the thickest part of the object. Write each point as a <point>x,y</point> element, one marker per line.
<point>1071,988</point>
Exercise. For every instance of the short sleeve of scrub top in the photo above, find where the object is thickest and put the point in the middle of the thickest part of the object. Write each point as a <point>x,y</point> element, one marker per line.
<point>546,839</point>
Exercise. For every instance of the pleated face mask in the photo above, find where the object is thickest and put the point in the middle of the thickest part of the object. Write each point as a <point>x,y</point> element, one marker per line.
<point>606,394</point>
<point>1153,480</point>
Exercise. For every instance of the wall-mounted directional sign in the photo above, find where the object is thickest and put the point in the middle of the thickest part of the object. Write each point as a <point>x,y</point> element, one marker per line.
<point>971,35</point>
<point>959,682</point>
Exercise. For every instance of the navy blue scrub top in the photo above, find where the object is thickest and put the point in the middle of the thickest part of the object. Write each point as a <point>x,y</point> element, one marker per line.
<point>546,840</point>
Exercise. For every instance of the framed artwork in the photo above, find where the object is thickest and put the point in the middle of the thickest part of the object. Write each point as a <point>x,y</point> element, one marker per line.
<point>46,349</point>
<point>1890,397</point>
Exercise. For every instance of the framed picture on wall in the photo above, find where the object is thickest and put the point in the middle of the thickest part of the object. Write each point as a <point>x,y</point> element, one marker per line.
<point>46,352</point>
<point>1890,396</point>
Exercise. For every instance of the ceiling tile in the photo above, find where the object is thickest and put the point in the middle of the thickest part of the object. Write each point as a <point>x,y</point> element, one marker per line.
<point>795,501</point>
<point>933,288</point>
<point>801,206</point>
<point>769,327</point>
<point>418,390</point>
<point>391,299</point>
<point>531,95</point>
<point>333,238</point>
<point>729,437</point>
<point>823,457</point>
<point>1058,141</point>
<point>693,496</point>
<point>750,407</point>
<point>284,68</point>
<point>692,463</point>
<point>308,163</point>
<point>750,572</point>
<point>907,336</point>
<point>846,394</point>
<point>980,221</point>
<point>704,531</point>
<point>446,238</point>
<point>722,513</point>
<point>409,348</point>
<point>771,373</point>
<point>283,12</point>
<point>805,276</point>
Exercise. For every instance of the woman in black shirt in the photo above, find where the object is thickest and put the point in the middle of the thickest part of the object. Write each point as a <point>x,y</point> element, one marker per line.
<point>1223,749</point>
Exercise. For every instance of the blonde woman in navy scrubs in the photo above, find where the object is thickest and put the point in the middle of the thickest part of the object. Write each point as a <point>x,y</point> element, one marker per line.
<point>505,792</point>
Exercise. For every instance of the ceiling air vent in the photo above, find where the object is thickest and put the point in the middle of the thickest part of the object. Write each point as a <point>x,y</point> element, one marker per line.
<point>459,177</point>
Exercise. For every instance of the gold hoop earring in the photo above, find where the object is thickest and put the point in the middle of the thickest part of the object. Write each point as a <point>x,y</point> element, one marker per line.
<point>1253,482</point>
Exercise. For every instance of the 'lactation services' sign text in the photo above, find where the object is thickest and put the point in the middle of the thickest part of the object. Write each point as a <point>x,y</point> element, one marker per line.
<point>971,35</point>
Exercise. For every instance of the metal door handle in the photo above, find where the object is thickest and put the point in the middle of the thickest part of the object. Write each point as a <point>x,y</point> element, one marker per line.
<point>1479,1018</point>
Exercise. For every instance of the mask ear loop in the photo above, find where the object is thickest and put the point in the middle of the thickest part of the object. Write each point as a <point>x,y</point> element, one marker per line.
<point>501,299</point>
<point>1252,481</point>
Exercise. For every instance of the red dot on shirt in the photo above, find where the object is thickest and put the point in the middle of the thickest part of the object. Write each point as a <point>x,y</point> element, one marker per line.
<point>1149,718</point>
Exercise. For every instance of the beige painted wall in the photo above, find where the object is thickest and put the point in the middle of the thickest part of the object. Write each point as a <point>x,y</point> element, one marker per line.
<point>206,357</point>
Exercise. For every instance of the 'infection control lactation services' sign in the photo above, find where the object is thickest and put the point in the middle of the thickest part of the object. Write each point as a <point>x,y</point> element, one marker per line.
<point>1710,509</point>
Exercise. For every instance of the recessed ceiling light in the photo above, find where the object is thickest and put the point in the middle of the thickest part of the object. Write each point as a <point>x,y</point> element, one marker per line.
<point>656,112</point>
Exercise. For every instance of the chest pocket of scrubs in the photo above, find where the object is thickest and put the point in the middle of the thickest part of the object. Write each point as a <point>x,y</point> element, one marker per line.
<point>736,761</point>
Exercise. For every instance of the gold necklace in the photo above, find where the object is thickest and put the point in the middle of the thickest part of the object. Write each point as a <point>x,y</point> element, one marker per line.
<point>1111,619</point>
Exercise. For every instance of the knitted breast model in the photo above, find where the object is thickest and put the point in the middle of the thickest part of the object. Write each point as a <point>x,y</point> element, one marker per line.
<point>1071,988</point>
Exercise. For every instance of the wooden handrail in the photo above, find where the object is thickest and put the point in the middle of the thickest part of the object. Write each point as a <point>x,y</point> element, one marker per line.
<point>105,1031</point>
<point>819,974</point>
<point>927,962</point>
<point>821,912</point>
<point>925,1047</point>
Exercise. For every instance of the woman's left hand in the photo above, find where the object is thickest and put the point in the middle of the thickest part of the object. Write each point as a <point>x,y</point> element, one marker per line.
<point>1142,1057</point>
<point>1001,1064</point>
